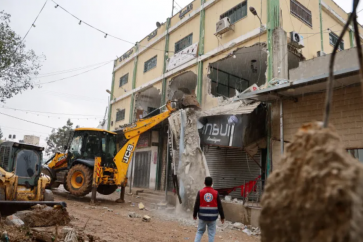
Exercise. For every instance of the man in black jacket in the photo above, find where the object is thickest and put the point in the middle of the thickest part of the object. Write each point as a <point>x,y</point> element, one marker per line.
<point>207,205</point>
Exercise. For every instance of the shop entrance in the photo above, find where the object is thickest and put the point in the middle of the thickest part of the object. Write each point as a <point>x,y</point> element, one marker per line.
<point>142,169</point>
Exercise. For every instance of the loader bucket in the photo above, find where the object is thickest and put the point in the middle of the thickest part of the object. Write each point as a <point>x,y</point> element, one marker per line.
<point>190,101</point>
<point>11,207</point>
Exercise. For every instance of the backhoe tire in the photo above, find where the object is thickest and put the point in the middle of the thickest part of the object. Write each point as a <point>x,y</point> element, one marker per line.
<point>79,180</point>
<point>48,195</point>
<point>106,189</point>
<point>65,185</point>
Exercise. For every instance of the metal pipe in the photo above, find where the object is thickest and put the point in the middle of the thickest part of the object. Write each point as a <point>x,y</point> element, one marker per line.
<point>281,127</point>
<point>321,28</point>
<point>167,165</point>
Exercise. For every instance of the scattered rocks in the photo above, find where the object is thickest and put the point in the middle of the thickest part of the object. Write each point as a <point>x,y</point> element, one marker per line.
<point>134,215</point>
<point>14,220</point>
<point>238,225</point>
<point>141,206</point>
<point>146,218</point>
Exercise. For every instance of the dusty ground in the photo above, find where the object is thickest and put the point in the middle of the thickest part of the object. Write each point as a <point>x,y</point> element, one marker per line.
<point>109,221</point>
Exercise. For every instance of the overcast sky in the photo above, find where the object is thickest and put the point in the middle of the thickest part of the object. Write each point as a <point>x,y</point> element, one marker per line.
<point>68,45</point>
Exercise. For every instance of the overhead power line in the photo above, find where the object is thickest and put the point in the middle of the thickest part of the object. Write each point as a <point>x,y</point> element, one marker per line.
<point>178,5</point>
<point>43,75</point>
<point>42,83</point>
<point>33,24</point>
<point>99,30</point>
<point>32,111</point>
<point>28,121</point>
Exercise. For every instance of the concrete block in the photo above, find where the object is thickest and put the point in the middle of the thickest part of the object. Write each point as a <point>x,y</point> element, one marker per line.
<point>13,220</point>
<point>141,206</point>
<point>146,218</point>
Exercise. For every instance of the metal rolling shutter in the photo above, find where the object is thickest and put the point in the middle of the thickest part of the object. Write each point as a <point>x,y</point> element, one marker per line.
<point>231,168</point>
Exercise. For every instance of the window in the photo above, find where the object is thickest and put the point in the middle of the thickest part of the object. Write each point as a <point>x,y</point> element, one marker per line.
<point>120,115</point>
<point>225,84</point>
<point>357,153</point>
<point>236,13</point>
<point>183,43</point>
<point>26,163</point>
<point>301,12</point>
<point>333,40</point>
<point>150,64</point>
<point>124,79</point>
<point>76,145</point>
<point>4,157</point>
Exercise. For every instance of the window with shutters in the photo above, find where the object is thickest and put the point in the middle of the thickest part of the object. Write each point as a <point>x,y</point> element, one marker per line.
<point>4,157</point>
<point>150,64</point>
<point>124,79</point>
<point>120,115</point>
<point>333,40</point>
<point>236,13</point>
<point>301,12</point>
<point>184,43</point>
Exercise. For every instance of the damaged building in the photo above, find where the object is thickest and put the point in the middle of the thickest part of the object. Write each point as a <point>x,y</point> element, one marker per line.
<point>219,51</point>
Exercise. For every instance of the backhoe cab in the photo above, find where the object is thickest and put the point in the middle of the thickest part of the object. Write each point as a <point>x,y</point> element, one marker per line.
<point>21,183</point>
<point>97,160</point>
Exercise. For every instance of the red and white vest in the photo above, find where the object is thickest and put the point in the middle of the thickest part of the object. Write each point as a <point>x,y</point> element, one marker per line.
<point>208,208</point>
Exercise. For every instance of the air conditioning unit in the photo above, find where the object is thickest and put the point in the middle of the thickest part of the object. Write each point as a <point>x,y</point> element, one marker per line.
<point>297,39</point>
<point>223,26</point>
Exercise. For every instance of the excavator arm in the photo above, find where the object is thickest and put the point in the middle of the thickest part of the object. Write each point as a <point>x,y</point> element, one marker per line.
<point>132,134</point>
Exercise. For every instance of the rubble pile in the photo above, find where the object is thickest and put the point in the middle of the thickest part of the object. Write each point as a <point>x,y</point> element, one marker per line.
<point>192,168</point>
<point>317,195</point>
<point>42,223</point>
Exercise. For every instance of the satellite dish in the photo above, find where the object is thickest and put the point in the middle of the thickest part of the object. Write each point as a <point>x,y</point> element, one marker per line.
<point>158,24</point>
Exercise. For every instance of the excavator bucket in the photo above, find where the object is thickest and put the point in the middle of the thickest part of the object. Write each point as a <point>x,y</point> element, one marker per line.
<point>190,101</point>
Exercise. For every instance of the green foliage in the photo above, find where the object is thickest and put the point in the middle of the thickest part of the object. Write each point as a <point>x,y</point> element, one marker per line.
<point>17,66</point>
<point>1,134</point>
<point>59,138</point>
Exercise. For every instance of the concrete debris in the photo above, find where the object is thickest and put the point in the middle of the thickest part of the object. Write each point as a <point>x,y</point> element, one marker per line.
<point>315,168</point>
<point>192,167</point>
<point>234,108</point>
<point>71,236</point>
<point>134,215</point>
<point>238,225</point>
<point>146,218</point>
<point>247,231</point>
<point>14,220</point>
<point>141,206</point>
<point>44,217</point>
<point>228,198</point>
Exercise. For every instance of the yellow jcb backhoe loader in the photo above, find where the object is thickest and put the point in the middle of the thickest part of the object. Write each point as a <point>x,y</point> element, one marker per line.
<point>21,183</point>
<point>97,160</point>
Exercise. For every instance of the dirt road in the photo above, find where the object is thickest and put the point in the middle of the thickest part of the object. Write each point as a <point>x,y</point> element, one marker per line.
<point>110,221</point>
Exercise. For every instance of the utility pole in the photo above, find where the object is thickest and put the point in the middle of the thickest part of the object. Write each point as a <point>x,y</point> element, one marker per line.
<point>172,10</point>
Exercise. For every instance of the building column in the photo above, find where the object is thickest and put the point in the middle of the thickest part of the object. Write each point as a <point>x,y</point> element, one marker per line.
<point>111,97</point>
<point>200,53</point>
<point>131,116</point>
<point>273,22</point>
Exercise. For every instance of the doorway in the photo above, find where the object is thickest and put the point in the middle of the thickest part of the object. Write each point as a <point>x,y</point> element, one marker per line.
<point>142,169</point>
